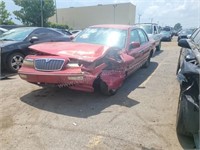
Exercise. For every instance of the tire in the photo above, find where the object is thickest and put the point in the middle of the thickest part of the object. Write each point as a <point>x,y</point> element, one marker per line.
<point>180,120</point>
<point>14,62</point>
<point>147,63</point>
<point>105,91</point>
<point>158,47</point>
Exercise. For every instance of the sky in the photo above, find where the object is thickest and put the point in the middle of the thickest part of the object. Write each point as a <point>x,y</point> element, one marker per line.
<point>163,12</point>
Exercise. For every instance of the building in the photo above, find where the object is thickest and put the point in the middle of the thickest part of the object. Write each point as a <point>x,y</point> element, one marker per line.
<point>81,17</point>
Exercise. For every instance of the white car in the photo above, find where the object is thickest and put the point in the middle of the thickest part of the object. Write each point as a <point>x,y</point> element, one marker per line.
<point>153,32</point>
<point>2,30</point>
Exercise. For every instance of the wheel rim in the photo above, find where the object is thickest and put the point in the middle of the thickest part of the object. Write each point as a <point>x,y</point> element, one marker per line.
<point>16,62</point>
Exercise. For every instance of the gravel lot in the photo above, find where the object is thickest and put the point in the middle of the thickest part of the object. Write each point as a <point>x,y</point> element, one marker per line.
<point>142,115</point>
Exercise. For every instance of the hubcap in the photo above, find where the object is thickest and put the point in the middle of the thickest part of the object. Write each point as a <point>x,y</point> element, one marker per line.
<point>16,62</point>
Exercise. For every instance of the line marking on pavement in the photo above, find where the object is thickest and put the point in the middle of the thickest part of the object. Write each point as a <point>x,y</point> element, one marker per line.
<point>94,141</point>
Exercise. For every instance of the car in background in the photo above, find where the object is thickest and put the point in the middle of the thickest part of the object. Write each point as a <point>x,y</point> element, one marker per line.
<point>168,29</point>
<point>100,57</point>
<point>188,74</point>
<point>75,32</point>
<point>166,36</point>
<point>185,33</point>
<point>65,31</point>
<point>153,32</point>
<point>14,44</point>
<point>2,30</point>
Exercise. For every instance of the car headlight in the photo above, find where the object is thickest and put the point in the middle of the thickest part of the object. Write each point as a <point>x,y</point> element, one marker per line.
<point>28,62</point>
<point>72,65</point>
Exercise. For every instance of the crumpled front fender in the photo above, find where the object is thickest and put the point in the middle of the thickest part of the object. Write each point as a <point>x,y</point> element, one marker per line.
<point>112,78</point>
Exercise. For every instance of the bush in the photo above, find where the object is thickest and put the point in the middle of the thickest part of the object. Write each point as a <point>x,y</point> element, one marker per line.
<point>59,26</point>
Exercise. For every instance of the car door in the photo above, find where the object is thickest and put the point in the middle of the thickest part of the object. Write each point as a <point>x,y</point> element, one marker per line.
<point>144,47</point>
<point>134,52</point>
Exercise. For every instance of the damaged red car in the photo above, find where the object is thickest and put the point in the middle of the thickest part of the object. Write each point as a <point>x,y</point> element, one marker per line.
<point>101,57</point>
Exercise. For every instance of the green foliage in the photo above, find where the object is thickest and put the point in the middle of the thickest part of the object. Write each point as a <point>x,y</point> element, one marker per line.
<point>177,27</point>
<point>32,10</point>
<point>59,26</point>
<point>4,15</point>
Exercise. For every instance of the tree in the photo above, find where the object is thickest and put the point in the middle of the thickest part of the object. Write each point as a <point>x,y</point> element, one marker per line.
<point>4,15</point>
<point>177,27</point>
<point>34,12</point>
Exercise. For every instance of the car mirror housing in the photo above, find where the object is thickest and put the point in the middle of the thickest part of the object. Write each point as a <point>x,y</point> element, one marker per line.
<point>134,45</point>
<point>183,43</point>
<point>33,39</point>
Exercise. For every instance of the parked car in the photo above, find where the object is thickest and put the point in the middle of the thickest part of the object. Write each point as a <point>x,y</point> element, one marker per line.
<point>101,56</point>
<point>169,30</point>
<point>75,32</point>
<point>2,30</point>
<point>185,33</point>
<point>188,73</point>
<point>14,44</point>
<point>65,31</point>
<point>152,30</point>
<point>166,36</point>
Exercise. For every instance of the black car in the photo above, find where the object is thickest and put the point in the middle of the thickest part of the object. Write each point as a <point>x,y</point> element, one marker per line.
<point>14,44</point>
<point>184,34</point>
<point>188,73</point>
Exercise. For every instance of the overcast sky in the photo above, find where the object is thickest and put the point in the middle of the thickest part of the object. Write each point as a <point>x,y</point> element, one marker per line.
<point>164,12</point>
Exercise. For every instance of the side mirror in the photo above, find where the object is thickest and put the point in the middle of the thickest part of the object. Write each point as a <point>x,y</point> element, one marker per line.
<point>183,43</point>
<point>33,39</point>
<point>134,45</point>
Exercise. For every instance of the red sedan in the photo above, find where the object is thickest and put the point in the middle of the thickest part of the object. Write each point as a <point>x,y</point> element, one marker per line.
<point>101,56</point>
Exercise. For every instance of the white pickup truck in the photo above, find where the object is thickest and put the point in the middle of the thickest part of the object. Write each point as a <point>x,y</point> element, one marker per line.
<point>153,32</point>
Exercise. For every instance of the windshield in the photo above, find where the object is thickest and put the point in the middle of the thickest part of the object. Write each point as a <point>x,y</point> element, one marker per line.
<point>17,34</point>
<point>186,31</point>
<point>165,33</point>
<point>103,36</point>
<point>147,28</point>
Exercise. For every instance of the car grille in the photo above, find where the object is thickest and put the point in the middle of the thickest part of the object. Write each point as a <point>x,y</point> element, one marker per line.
<point>49,64</point>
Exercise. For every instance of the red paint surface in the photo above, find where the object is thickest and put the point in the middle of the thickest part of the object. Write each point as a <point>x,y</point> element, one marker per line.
<point>94,63</point>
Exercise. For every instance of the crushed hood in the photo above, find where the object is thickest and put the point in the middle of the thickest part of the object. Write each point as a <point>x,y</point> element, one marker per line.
<point>81,51</point>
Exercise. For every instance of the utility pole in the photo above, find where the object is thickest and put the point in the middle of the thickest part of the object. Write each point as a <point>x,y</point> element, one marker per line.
<point>41,12</point>
<point>139,15</point>
<point>56,12</point>
<point>114,6</point>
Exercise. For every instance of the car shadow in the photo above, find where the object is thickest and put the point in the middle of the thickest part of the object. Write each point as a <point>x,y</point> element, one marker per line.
<point>157,53</point>
<point>81,104</point>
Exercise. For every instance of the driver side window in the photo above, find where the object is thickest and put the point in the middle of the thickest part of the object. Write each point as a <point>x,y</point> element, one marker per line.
<point>134,36</point>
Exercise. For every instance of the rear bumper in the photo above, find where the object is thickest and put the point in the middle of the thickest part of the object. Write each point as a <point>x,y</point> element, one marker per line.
<point>73,79</point>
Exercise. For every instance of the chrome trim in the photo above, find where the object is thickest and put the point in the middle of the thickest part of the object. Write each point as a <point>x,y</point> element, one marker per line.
<point>46,61</point>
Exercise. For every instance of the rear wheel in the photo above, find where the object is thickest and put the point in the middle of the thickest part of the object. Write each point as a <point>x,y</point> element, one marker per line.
<point>158,47</point>
<point>14,62</point>
<point>147,63</point>
<point>104,89</point>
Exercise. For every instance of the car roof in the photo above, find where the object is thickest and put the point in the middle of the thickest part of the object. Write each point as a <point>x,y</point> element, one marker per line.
<point>116,26</point>
<point>146,23</point>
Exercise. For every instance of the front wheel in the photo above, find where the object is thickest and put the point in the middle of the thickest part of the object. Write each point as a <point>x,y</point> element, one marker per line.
<point>105,90</point>
<point>14,62</point>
